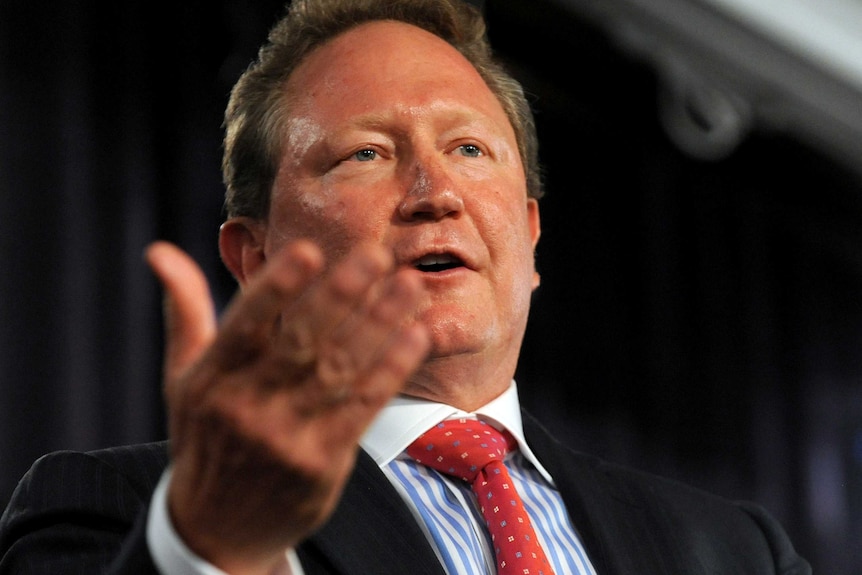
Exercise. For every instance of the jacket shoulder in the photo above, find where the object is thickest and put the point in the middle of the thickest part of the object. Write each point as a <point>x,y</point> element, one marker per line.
<point>72,511</point>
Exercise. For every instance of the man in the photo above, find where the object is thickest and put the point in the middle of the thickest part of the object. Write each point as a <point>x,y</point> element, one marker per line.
<point>382,217</point>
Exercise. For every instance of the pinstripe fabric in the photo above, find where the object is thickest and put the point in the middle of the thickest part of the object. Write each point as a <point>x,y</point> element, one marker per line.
<point>452,519</point>
<point>73,513</point>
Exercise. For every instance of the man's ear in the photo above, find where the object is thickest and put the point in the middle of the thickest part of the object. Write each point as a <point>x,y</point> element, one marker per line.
<point>241,243</point>
<point>534,222</point>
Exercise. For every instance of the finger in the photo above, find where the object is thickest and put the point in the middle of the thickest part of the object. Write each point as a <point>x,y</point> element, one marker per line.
<point>397,362</point>
<point>190,323</point>
<point>357,344</point>
<point>249,323</point>
<point>335,298</point>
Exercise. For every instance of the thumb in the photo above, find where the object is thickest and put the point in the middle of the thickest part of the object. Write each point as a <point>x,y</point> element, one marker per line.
<point>190,321</point>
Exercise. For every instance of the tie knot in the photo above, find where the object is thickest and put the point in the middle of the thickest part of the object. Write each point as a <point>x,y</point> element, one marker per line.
<point>461,447</point>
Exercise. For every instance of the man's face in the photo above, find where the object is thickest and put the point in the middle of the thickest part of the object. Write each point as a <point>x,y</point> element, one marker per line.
<point>394,137</point>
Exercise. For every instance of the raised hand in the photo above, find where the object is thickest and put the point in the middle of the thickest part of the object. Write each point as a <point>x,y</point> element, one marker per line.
<point>266,410</point>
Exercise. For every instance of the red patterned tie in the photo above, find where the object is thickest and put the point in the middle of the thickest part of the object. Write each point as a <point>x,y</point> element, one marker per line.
<point>474,451</point>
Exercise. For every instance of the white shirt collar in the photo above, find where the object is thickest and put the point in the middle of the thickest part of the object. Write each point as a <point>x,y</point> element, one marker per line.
<point>404,419</point>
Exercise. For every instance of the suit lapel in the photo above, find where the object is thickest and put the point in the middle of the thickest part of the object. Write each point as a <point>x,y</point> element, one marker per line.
<point>372,530</point>
<point>604,511</point>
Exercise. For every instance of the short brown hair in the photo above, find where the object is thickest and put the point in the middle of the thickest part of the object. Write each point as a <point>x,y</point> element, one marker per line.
<point>255,115</point>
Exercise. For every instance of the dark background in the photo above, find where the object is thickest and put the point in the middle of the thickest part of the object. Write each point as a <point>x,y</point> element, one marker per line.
<point>700,319</point>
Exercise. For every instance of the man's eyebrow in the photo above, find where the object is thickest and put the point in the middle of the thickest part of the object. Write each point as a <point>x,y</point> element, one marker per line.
<point>371,120</point>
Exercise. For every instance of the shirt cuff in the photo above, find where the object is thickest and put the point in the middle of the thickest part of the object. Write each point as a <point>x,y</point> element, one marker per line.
<point>170,553</point>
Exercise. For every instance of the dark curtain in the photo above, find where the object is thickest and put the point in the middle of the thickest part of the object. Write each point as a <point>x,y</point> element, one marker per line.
<point>696,319</point>
<point>110,138</point>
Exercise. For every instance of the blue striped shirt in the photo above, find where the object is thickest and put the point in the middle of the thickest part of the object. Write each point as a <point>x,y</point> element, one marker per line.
<point>446,509</point>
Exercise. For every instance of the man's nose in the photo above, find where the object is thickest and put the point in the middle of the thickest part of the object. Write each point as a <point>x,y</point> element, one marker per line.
<point>432,193</point>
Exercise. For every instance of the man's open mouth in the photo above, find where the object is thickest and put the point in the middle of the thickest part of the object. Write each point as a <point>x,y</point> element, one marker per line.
<point>437,263</point>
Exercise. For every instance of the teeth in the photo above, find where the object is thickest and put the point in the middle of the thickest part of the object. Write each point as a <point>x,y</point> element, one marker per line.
<point>435,259</point>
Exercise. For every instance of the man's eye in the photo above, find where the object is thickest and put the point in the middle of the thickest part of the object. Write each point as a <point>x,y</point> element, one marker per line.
<point>364,155</point>
<point>470,151</point>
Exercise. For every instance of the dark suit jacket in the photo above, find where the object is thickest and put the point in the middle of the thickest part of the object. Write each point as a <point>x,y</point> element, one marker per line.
<point>86,513</point>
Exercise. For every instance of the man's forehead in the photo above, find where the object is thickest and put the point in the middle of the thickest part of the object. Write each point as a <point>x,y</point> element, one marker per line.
<point>385,68</point>
<point>377,44</point>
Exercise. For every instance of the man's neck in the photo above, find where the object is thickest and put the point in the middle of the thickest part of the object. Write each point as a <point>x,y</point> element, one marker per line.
<point>465,381</point>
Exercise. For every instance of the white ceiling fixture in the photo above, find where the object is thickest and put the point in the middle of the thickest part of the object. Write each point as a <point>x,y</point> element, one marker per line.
<point>729,66</point>
<point>826,32</point>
